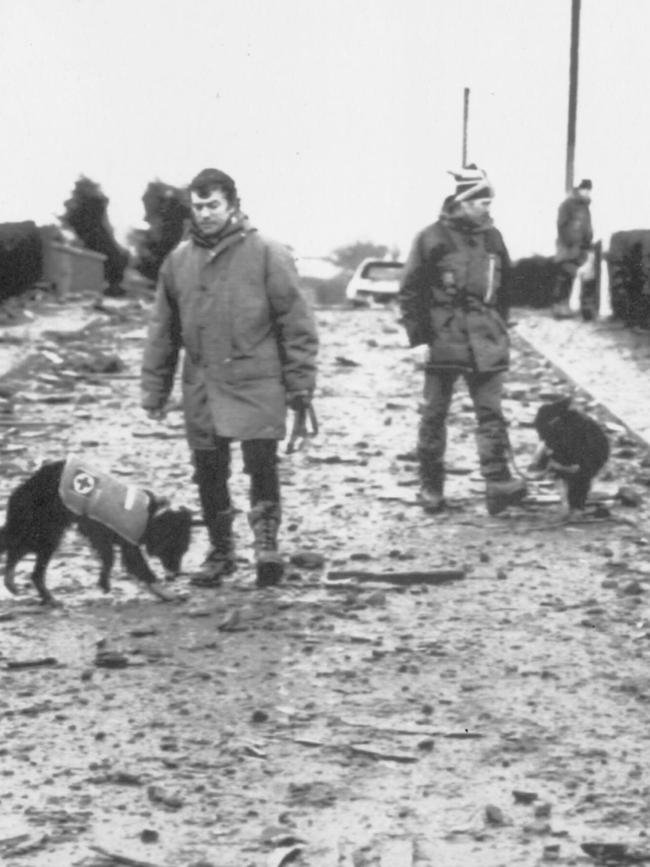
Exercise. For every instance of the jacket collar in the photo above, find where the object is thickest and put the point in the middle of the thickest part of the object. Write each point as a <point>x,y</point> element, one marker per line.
<point>234,232</point>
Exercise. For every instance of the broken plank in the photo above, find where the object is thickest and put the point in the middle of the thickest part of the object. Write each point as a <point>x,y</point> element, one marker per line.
<point>370,753</point>
<point>433,577</point>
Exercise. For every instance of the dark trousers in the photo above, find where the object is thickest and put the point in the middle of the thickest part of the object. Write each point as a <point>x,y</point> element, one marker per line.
<point>213,471</point>
<point>491,434</point>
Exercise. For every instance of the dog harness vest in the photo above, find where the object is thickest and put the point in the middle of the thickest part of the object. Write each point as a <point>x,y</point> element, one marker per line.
<point>91,493</point>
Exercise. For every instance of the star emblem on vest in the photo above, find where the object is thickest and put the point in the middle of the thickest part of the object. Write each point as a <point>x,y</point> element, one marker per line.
<point>83,483</point>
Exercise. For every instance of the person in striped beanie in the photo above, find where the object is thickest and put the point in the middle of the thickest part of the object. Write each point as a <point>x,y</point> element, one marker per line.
<point>454,299</point>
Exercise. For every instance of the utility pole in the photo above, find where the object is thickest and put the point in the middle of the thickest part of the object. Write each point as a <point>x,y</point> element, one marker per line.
<point>465,122</point>
<point>573,95</point>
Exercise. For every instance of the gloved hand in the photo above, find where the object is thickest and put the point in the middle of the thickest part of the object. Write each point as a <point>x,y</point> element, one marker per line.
<point>299,400</point>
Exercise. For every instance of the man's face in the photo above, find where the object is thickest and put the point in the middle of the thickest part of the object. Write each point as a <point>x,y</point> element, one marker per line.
<point>475,209</point>
<point>212,212</point>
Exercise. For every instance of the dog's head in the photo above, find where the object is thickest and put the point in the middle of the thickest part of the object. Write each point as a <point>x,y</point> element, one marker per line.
<point>168,535</point>
<point>548,414</point>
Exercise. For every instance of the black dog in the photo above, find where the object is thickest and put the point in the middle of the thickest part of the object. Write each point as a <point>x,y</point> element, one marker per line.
<point>37,519</point>
<point>575,448</point>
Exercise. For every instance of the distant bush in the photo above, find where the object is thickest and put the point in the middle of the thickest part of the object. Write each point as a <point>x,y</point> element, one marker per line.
<point>353,255</point>
<point>21,257</point>
<point>86,214</point>
<point>166,211</point>
<point>531,283</point>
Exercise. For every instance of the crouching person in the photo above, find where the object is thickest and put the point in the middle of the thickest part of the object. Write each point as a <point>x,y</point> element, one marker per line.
<point>229,297</point>
<point>453,299</point>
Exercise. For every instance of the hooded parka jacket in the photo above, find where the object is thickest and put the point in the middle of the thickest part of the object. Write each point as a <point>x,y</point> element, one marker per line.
<point>453,296</point>
<point>249,337</point>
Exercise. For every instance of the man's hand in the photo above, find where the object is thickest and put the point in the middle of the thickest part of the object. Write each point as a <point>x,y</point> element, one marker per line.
<point>156,414</point>
<point>299,400</point>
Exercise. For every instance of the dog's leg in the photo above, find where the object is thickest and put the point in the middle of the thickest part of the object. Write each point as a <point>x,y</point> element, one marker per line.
<point>10,572</point>
<point>101,542</point>
<point>38,578</point>
<point>565,508</point>
<point>136,565</point>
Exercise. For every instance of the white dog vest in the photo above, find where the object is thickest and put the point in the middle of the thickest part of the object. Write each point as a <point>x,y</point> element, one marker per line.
<point>91,493</point>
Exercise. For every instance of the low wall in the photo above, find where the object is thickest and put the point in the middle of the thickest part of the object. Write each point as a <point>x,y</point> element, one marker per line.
<point>71,270</point>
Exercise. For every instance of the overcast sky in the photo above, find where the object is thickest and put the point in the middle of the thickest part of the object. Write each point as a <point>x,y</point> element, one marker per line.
<point>337,118</point>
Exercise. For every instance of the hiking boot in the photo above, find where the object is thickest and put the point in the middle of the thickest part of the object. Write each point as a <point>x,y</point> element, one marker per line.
<point>431,499</point>
<point>264,519</point>
<point>501,494</point>
<point>220,559</point>
<point>432,478</point>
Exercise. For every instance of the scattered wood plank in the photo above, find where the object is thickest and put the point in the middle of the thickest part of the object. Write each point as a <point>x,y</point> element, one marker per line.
<point>43,662</point>
<point>372,753</point>
<point>411,732</point>
<point>358,750</point>
<point>116,858</point>
<point>433,577</point>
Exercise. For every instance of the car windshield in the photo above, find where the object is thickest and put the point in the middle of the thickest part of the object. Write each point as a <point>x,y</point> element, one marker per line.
<point>382,271</point>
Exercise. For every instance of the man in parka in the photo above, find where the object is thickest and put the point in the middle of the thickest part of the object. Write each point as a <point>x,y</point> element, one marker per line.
<point>453,299</point>
<point>574,237</point>
<point>229,296</point>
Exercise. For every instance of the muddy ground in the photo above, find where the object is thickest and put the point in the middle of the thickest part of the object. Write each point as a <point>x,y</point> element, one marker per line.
<point>497,719</point>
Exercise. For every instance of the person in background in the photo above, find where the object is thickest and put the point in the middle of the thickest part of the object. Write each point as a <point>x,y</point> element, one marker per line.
<point>453,298</point>
<point>574,237</point>
<point>229,296</point>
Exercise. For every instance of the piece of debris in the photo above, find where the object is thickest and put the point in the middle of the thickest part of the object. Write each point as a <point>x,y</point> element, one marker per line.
<point>282,856</point>
<point>307,560</point>
<point>231,622</point>
<point>614,853</point>
<point>157,795</point>
<point>522,797</point>
<point>113,859</point>
<point>434,577</point>
<point>628,496</point>
<point>372,753</point>
<point>42,662</point>
<point>110,659</point>
<point>494,815</point>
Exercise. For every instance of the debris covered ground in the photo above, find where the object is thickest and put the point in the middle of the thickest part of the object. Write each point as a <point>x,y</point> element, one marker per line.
<point>483,702</point>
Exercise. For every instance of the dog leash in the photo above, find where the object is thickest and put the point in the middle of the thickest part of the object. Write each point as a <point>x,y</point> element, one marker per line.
<point>301,432</point>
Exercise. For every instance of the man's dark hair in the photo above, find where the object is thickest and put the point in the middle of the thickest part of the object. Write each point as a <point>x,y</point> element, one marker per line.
<point>209,180</point>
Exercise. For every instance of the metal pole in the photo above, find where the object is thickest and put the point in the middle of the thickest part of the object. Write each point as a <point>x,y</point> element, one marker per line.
<point>573,95</point>
<point>465,121</point>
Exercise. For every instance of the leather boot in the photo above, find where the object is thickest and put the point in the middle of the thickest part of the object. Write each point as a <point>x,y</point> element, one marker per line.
<point>432,482</point>
<point>499,494</point>
<point>220,559</point>
<point>264,519</point>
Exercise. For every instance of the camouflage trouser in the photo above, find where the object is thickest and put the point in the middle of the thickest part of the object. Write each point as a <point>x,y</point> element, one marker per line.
<point>491,434</point>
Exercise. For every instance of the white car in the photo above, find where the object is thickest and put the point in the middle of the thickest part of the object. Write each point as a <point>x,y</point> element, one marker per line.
<point>374,280</point>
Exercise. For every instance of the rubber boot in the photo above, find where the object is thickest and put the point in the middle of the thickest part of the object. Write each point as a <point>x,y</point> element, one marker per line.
<point>220,559</point>
<point>264,519</point>
<point>432,482</point>
<point>499,494</point>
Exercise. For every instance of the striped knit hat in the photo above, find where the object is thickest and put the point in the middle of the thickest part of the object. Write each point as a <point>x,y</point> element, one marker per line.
<point>472,183</point>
